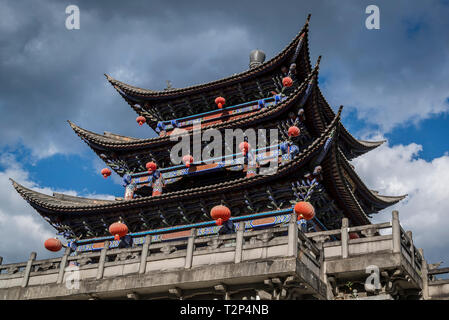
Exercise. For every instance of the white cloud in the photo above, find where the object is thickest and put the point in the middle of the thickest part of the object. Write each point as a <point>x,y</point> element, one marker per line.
<point>22,229</point>
<point>397,170</point>
<point>393,76</point>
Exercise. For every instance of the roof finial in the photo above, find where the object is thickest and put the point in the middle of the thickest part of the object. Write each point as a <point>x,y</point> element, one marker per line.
<point>317,65</point>
<point>256,58</point>
<point>308,18</point>
<point>339,112</point>
<point>169,86</point>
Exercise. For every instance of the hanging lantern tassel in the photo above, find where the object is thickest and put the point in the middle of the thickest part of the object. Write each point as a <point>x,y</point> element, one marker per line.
<point>220,214</point>
<point>220,101</point>
<point>151,167</point>
<point>105,172</point>
<point>293,131</point>
<point>118,230</point>
<point>287,82</point>
<point>244,147</point>
<point>188,159</point>
<point>141,120</point>
<point>304,210</point>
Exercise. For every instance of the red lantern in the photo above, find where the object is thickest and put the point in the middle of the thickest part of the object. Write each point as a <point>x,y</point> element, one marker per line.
<point>53,244</point>
<point>141,120</point>
<point>293,131</point>
<point>244,147</point>
<point>287,82</point>
<point>118,230</point>
<point>106,172</point>
<point>304,210</point>
<point>187,159</point>
<point>353,235</point>
<point>151,167</point>
<point>220,101</point>
<point>221,214</point>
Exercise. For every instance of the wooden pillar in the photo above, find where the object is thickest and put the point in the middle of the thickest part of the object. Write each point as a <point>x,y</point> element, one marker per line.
<point>63,265</point>
<point>190,249</point>
<point>144,254</point>
<point>292,249</point>
<point>424,276</point>
<point>396,232</point>
<point>344,235</point>
<point>412,248</point>
<point>27,272</point>
<point>239,242</point>
<point>100,269</point>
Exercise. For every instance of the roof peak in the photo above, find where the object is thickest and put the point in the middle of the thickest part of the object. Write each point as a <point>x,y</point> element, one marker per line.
<point>164,93</point>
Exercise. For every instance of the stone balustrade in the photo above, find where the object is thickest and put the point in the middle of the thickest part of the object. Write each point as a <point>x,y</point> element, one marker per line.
<point>385,246</point>
<point>435,288</point>
<point>194,253</point>
<point>271,261</point>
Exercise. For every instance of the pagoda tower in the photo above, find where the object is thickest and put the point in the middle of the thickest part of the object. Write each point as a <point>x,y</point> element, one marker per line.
<point>163,200</point>
<point>256,99</point>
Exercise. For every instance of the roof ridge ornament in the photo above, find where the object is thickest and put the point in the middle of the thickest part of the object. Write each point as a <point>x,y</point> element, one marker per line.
<point>256,58</point>
<point>169,85</point>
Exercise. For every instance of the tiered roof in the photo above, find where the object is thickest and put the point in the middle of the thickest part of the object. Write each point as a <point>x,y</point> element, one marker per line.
<point>134,153</point>
<point>127,154</point>
<point>81,215</point>
<point>324,141</point>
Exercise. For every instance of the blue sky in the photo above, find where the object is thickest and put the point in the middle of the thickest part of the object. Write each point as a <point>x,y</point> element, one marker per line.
<point>393,83</point>
<point>430,133</point>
